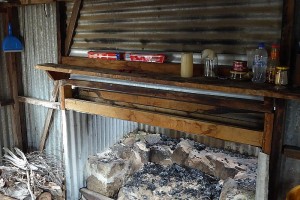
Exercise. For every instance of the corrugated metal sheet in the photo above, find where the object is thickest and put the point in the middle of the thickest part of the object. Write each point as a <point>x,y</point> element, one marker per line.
<point>212,142</point>
<point>88,135</point>
<point>152,25</point>
<point>38,28</point>
<point>6,136</point>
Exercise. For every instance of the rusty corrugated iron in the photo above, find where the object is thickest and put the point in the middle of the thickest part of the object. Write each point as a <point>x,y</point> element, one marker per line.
<point>228,27</point>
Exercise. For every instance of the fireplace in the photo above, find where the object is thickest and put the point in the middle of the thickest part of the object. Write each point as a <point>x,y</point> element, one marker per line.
<point>155,166</point>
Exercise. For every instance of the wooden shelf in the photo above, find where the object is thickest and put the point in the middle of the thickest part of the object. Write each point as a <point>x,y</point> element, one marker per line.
<point>227,86</point>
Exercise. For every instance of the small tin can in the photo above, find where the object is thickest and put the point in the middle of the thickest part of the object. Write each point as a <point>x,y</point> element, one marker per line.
<point>239,66</point>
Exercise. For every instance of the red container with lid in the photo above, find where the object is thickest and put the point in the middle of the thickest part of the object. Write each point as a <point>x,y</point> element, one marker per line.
<point>239,66</point>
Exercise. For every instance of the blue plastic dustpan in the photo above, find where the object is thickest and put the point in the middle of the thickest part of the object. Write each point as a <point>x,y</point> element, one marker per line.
<point>11,43</point>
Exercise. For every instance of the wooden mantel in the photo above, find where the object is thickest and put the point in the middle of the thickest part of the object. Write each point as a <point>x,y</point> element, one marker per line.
<point>169,109</point>
<point>176,110</point>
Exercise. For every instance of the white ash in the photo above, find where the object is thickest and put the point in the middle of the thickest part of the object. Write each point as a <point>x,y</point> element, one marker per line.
<point>173,182</point>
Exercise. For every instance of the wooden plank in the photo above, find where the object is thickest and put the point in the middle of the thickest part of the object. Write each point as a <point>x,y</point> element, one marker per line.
<point>168,121</point>
<point>40,102</point>
<point>65,92</point>
<point>292,151</point>
<point>49,117</point>
<point>268,130</point>
<point>11,65</point>
<point>276,152</point>
<point>228,86</point>
<point>31,2</point>
<point>166,68</point>
<point>172,107</point>
<point>226,102</point>
<point>72,25</point>
<point>57,75</point>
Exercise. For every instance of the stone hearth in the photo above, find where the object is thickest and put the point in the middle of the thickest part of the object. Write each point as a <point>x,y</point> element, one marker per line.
<point>153,166</point>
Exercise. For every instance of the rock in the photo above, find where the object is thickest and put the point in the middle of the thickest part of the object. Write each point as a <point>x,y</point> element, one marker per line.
<point>232,191</point>
<point>182,151</point>
<point>99,168</point>
<point>152,139</point>
<point>144,152</point>
<point>45,196</point>
<point>129,141</point>
<point>107,177</point>
<point>122,151</point>
<point>107,188</point>
<point>2,197</point>
<point>160,154</point>
<point>216,164</point>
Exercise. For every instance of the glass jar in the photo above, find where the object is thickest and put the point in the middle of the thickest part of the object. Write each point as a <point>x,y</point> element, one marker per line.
<point>281,76</point>
<point>210,67</point>
<point>236,75</point>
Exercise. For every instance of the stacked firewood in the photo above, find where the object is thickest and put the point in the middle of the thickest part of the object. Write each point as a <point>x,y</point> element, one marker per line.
<point>32,176</point>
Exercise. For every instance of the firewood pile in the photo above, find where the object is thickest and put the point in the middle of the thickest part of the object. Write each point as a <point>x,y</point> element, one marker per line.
<point>32,176</point>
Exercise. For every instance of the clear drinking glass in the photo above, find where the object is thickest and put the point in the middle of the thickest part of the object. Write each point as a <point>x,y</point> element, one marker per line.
<point>210,67</point>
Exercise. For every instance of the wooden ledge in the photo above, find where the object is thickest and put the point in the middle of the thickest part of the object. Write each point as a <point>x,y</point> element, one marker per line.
<point>227,86</point>
<point>224,132</point>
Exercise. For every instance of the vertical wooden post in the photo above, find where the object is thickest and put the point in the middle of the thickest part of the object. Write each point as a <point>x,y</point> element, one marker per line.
<point>11,65</point>
<point>65,92</point>
<point>276,151</point>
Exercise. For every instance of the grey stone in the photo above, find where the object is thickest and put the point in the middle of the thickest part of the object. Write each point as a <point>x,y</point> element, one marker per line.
<point>182,151</point>
<point>144,152</point>
<point>160,154</point>
<point>109,189</point>
<point>232,191</point>
<point>152,139</point>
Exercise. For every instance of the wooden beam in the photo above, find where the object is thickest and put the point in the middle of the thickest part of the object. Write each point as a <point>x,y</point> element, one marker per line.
<point>292,152</point>
<point>57,75</point>
<point>276,149</point>
<point>129,66</point>
<point>11,65</point>
<point>31,2</point>
<point>49,117</point>
<point>226,102</point>
<point>228,86</point>
<point>268,130</point>
<point>168,121</point>
<point>40,102</point>
<point>65,92</point>
<point>72,25</point>
<point>179,108</point>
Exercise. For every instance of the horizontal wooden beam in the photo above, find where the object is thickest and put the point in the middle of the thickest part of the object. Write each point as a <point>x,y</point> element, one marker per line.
<point>40,102</point>
<point>227,86</point>
<point>188,125</point>
<point>121,65</point>
<point>226,102</point>
<point>229,117</point>
<point>292,152</point>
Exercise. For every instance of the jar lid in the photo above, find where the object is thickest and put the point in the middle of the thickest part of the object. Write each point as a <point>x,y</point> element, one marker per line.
<point>282,67</point>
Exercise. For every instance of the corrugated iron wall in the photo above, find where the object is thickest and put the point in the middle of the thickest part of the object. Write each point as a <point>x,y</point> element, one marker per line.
<point>6,136</point>
<point>166,25</point>
<point>88,135</point>
<point>38,28</point>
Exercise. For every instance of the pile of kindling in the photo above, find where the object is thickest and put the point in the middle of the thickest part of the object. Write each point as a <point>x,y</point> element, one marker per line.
<point>28,176</point>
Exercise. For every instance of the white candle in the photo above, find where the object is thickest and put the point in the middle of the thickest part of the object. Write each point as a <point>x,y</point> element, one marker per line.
<point>186,65</point>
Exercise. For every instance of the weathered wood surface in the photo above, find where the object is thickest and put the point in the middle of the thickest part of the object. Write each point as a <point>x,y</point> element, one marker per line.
<point>179,108</point>
<point>276,152</point>
<point>292,152</point>
<point>72,25</point>
<point>227,102</point>
<point>228,133</point>
<point>49,117</point>
<point>228,86</point>
<point>40,102</point>
<point>268,131</point>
